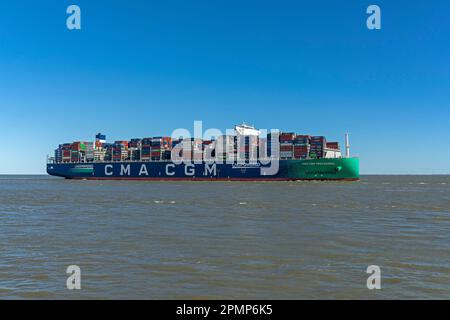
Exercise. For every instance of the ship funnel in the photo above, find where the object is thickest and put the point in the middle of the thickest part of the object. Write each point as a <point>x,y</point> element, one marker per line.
<point>347,146</point>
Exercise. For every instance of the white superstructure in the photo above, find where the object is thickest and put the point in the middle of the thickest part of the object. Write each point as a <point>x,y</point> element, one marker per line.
<point>246,130</point>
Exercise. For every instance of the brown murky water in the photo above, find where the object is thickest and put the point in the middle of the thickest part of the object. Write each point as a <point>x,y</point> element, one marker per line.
<point>166,240</point>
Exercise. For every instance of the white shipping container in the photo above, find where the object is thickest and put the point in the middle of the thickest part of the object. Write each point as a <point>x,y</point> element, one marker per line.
<point>286,154</point>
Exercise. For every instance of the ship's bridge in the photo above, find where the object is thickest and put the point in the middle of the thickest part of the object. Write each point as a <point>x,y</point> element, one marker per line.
<point>246,130</point>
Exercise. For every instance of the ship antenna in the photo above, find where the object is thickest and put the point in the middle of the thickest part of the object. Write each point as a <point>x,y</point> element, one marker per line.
<point>347,146</point>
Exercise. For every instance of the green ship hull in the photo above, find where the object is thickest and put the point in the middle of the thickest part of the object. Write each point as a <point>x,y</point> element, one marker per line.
<point>321,169</point>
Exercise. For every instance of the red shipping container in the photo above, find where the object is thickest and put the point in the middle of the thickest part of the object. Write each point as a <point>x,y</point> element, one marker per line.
<point>333,145</point>
<point>287,135</point>
<point>286,148</point>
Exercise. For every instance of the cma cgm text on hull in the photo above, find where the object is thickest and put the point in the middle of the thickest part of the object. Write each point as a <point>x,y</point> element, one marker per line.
<point>246,155</point>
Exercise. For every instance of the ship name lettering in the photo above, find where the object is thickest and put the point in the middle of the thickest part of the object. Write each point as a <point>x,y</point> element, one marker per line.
<point>190,172</point>
<point>125,170</point>
<point>108,173</point>
<point>171,165</point>
<point>211,169</point>
<point>143,170</point>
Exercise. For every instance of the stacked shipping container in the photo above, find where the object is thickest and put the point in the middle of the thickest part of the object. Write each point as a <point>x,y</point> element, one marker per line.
<point>159,146</point>
<point>292,146</point>
<point>287,145</point>
<point>146,149</point>
<point>134,149</point>
<point>318,144</point>
<point>120,150</point>
<point>225,147</point>
<point>302,145</point>
<point>64,150</point>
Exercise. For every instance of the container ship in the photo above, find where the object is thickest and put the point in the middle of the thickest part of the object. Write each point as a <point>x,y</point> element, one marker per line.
<point>246,155</point>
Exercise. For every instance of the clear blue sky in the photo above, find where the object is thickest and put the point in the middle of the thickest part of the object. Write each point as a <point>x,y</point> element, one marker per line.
<point>142,68</point>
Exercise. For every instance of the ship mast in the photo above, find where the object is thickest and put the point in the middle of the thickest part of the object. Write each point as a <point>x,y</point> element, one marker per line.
<point>347,146</point>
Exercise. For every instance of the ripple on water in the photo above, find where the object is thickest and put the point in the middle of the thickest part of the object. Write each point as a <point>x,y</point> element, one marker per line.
<point>224,240</point>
